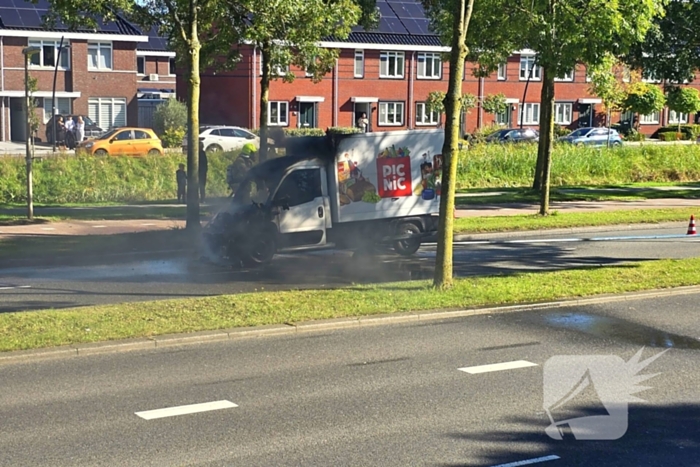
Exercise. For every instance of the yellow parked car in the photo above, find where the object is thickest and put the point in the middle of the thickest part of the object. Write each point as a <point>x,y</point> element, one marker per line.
<point>124,142</point>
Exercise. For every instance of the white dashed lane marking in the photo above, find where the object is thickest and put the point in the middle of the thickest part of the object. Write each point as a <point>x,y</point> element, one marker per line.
<point>472,370</point>
<point>185,409</point>
<point>99,226</point>
<point>10,287</point>
<point>529,461</point>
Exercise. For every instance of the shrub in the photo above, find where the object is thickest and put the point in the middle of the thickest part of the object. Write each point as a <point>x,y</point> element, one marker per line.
<point>482,133</point>
<point>686,132</point>
<point>171,114</point>
<point>292,132</point>
<point>172,137</point>
<point>670,136</point>
<point>634,135</point>
<point>343,130</point>
<point>560,131</point>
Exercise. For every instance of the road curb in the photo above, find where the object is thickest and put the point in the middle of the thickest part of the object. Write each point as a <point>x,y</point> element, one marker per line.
<point>204,337</point>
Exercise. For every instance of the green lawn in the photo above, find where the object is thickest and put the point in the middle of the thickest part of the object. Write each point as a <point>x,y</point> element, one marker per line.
<point>46,328</point>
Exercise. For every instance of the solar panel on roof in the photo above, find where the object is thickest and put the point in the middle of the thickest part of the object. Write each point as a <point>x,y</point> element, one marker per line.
<point>412,26</point>
<point>391,25</point>
<point>414,10</point>
<point>385,11</point>
<point>10,17</point>
<point>30,18</point>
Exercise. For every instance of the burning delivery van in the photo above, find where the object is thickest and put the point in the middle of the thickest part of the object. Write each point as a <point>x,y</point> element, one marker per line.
<point>349,191</point>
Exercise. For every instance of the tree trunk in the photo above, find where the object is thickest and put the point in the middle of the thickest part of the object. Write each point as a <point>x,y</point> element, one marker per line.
<point>544,150</point>
<point>450,148</point>
<point>264,99</point>
<point>193,89</point>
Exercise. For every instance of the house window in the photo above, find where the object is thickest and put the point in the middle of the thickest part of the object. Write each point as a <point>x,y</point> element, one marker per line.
<point>391,65</point>
<point>562,114</point>
<point>528,68</point>
<point>278,113</point>
<point>391,113</point>
<point>502,71</point>
<point>677,117</point>
<point>46,57</point>
<point>627,117</point>
<point>651,119</point>
<point>650,77</point>
<point>626,74</point>
<point>359,64</point>
<point>107,112</point>
<point>530,114</point>
<point>99,55</point>
<point>503,118</point>
<point>141,65</point>
<point>171,66</point>
<point>429,66</point>
<point>276,70</point>
<point>424,117</point>
<point>568,76</point>
<point>62,107</point>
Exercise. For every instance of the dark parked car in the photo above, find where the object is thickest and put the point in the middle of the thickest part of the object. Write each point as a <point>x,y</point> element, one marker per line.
<point>91,129</point>
<point>514,135</point>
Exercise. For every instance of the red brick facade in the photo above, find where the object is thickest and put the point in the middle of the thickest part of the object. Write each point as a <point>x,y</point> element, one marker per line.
<point>77,83</point>
<point>232,97</point>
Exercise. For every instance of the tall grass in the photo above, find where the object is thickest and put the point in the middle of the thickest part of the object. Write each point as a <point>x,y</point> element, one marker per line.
<point>87,179</point>
<point>495,165</point>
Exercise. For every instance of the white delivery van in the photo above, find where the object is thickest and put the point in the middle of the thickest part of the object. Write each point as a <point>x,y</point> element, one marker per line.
<point>349,191</point>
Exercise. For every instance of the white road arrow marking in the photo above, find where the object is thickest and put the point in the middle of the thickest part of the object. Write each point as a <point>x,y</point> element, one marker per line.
<point>529,461</point>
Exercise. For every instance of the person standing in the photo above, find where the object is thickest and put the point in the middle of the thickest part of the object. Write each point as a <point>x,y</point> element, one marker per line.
<point>181,177</point>
<point>79,131</point>
<point>60,133</point>
<point>70,135</point>
<point>203,169</point>
<point>363,123</point>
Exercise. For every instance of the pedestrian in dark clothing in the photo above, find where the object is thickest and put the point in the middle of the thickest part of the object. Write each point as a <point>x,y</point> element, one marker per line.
<point>181,177</point>
<point>60,133</point>
<point>203,169</point>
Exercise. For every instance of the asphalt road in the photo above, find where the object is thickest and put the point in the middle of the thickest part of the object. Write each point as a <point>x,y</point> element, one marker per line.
<point>384,396</point>
<point>153,279</point>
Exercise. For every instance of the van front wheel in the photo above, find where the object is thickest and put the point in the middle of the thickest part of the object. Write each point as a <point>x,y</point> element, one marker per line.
<point>407,246</point>
<point>259,251</point>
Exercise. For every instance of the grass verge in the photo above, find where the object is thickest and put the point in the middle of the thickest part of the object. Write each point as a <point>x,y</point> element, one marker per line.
<point>48,328</point>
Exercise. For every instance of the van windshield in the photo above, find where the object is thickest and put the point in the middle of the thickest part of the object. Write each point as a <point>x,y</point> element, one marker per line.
<point>253,189</point>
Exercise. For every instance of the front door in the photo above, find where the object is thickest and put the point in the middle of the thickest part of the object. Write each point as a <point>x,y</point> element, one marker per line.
<point>585,115</point>
<point>307,115</point>
<point>301,208</point>
<point>122,144</point>
<point>360,109</point>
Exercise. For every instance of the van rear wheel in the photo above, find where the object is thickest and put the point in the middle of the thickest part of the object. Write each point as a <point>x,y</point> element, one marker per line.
<point>407,246</point>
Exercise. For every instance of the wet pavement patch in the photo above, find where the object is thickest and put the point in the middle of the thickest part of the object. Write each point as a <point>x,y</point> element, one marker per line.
<point>618,329</point>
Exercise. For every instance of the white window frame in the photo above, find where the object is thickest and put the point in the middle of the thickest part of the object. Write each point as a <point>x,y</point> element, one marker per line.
<point>429,66</point>
<point>279,105</point>
<point>41,43</point>
<point>527,62</point>
<point>650,78</point>
<point>563,113</point>
<point>60,109</point>
<point>112,101</point>
<point>359,62</point>
<point>502,73</point>
<point>99,47</point>
<point>531,114</point>
<point>275,71</point>
<point>627,116</point>
<point>385,59</point>
<point>651,119</point>
<point>393,110</point>
<point>425,118</point>
<point>675,118</point>
<point>567,78</point>
<point>141,59</point>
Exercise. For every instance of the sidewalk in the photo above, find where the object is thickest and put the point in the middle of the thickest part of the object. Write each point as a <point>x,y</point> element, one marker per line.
<point>109,227</point>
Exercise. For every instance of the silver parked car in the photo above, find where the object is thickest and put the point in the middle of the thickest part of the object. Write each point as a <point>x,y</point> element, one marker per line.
<point>593,137</point>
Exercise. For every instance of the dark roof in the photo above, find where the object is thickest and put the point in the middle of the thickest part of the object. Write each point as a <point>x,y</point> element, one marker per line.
<point>401,22</point>
<point>156,42</point>
<point>22,15</point>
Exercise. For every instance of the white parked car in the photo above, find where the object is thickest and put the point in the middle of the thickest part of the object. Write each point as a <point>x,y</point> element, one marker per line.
<point>224,138</point>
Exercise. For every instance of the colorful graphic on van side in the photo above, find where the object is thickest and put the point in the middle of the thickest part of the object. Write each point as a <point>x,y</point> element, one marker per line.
<point>394,172</point>
<point>353,186</point>
<point>431,177</point>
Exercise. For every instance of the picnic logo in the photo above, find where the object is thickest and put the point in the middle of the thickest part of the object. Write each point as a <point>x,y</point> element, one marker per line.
<point>569,379</point>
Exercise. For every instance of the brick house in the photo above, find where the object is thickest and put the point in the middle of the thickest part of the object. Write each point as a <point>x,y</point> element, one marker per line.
<point>99,75</point>
<point>388,74</point>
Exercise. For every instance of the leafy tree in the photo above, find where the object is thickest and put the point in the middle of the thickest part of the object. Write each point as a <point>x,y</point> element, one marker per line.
<point>170,115</point>
<point>436,101</point>
<point>495,104</point>
<point>288,32</point>
<point>644,99</point>
<point>562,33</point>
<point>457,14</point>
<point>671,49</point>
<point>683,100</point>
<point>188,24</point>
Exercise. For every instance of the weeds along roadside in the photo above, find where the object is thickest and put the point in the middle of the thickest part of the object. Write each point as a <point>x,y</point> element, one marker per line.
<point>89,179</point>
